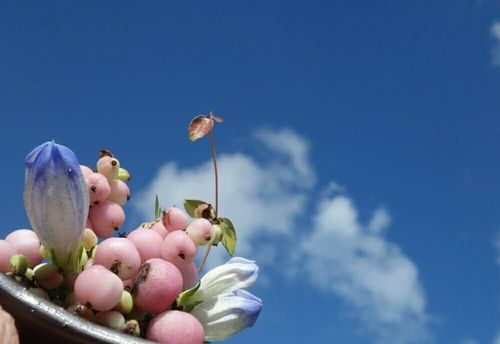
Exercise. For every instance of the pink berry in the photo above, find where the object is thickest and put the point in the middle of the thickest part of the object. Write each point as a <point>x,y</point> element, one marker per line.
<point>120,193</point>
<point>120,256</point>
<point>26,243</point>
<point>106,218</point>
<point>175,327</point>
<point>6,251</point>
<point>89,263</point>
<point>147,242</point>
<point>189,273</point>
<point>86,171</point>
<point>99,188</point>
<point>200,231</point>
<point>128,283</point>
<point>99,287</point>
<point>109,167</point>
<point>178,248</point>
<point>174,219</point>
<point>160,229</point>
<point>89,224</point>
<point>157,285</point>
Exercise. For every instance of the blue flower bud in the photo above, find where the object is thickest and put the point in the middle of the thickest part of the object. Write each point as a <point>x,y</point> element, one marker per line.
<point>56,200</point>
<point>225,315</point>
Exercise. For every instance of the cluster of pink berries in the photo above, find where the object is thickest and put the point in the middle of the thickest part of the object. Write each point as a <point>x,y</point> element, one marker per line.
<point>127,283</point>
<point>107,194</point>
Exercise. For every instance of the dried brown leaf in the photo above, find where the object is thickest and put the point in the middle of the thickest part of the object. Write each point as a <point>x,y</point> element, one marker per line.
<point>199,127</point>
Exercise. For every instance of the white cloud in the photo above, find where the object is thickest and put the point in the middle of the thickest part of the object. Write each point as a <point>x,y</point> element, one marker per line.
<point>495,32</point>
<point>497,339</point>
<point>380,221</point>
<point>333,187</point>
<point>262,198</point>
<point>366,270</point>
<point>268,197</point>
<point>293,147</point>
<point>469,341</point>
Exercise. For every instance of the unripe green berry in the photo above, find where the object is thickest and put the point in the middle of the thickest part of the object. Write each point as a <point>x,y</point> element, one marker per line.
<point>83,259</point>
<point>29,274</point>
<point>217,234</point>
<point>123,174</point>
<point>112,319</point>
<point>126,303</point>
<point>89,239</point>
<point>48,276</point>
<point>18,264</point>
<point>44,252</point>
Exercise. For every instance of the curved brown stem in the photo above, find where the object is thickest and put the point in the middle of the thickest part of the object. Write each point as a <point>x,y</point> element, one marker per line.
<point>216,176</point>
<point>205,256</point>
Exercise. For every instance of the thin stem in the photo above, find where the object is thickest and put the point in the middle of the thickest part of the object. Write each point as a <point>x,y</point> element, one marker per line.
<point>205,256</point>
<point>216,174</point>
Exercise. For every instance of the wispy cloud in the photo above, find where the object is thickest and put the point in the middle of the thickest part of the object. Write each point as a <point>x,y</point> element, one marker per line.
<point>373,275</point>
<point>469,341</point>
<point>266,198</point>
<point>495,32</point>
<point>379,221</point>
<point>263,198</point>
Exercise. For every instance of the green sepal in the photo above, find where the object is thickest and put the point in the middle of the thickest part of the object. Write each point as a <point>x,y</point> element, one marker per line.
<point>183,298</point>
<point>70,263</point>
<point>228,235</point>
<point>53,258</point>
<point>190,206</point>
<point>77,259</point>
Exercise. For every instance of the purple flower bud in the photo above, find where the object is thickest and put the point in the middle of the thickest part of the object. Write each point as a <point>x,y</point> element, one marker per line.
<point>56,200</point>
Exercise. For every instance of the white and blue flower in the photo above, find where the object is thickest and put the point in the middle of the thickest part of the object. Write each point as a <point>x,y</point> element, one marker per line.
<point>225,315</point>
<point>56,200</point>
<point>237,273</point>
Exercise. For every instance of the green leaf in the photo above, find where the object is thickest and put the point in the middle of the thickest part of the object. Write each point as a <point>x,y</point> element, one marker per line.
<point>157,208</point>
<point>228,235</point>
<point>191,204</point>
<point>183,298</point>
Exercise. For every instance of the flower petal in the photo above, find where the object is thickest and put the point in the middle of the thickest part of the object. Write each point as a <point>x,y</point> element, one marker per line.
<point>225,315</point>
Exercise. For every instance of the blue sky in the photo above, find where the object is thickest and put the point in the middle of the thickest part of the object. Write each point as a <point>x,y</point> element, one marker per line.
<point>359,152</point>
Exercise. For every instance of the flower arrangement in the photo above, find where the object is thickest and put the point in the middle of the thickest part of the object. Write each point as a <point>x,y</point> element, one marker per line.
<point>144,283</point>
